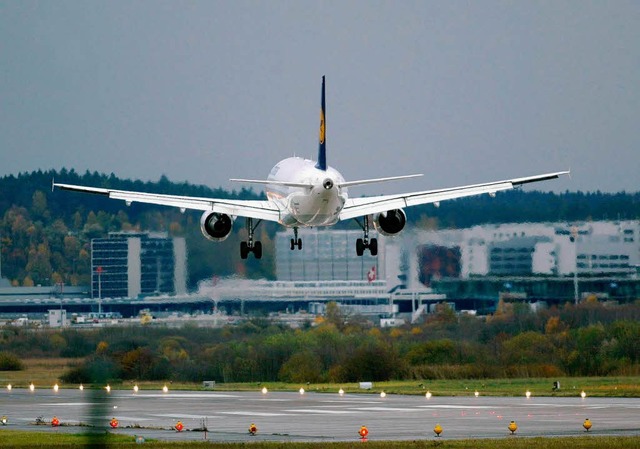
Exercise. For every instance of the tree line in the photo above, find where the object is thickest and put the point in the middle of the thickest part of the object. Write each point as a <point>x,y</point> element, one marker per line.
<point>588,339</point>
<point>45,236</point>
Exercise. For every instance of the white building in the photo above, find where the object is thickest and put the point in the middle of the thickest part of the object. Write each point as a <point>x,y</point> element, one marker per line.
<point>58,318</point>
<point>606,248</point>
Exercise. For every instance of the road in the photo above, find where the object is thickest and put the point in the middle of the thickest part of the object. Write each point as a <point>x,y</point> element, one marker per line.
<point>288,416</point>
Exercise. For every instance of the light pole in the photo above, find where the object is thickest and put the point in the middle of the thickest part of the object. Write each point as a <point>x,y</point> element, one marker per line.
<point>574,239</point>
<point>99,271</point>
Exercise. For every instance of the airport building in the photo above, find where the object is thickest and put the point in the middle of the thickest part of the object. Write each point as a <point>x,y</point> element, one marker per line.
<point>522,249</point>
<point>130,265</point>
<point>470,268</point>
<point>550,261</point>
<point>327,256</point>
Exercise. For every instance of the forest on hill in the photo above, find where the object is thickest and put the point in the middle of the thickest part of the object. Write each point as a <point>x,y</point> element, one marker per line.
<point>45,236</point>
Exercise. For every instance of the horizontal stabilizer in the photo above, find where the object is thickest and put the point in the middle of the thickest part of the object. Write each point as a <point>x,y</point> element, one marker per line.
<point>274,183</point>
<point>376,180</point>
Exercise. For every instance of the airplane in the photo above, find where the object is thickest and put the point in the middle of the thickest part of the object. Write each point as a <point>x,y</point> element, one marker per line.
<point>306,193</point>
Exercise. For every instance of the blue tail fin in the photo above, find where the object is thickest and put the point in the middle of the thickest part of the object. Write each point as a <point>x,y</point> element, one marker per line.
<point>322,148</point>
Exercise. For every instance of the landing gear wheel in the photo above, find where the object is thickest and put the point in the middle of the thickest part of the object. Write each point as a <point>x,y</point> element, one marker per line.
<point>373,247</point>
<point>359,247</point>
<point>244,250</point>
<point>299,244</point>
<point>257,250</point>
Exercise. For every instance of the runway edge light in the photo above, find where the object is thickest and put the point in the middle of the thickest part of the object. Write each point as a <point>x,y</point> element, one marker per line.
<point>586,424</point>
<point>437,429</point>
<point>512,427</point>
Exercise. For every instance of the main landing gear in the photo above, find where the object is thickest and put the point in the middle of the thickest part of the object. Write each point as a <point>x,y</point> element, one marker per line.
<point>250,246</point>
<point>365,243</point>
<point>295,241</point>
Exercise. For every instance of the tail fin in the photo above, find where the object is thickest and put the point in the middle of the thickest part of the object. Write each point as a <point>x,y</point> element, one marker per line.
<point>322,148</point>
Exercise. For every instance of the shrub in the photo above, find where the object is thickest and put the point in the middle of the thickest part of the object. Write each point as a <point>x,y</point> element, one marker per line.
<point>10,362</point>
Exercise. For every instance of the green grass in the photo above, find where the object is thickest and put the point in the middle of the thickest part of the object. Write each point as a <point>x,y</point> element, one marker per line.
<point>18,439</point>
<point>46,372</point>
<point>570,387</point>
<point>43,372</point>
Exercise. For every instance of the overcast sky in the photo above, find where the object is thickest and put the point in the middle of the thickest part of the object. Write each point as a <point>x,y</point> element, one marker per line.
<point>463,92</point>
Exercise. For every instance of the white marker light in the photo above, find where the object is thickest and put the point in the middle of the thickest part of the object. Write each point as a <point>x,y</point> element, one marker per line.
<point>528,394</point>
<point>264,390</point>
<point>476,393</point>
<point>55,388</point>
<point>383,394</point>
<point>32,387</point>
<point>428,395</point>
<point>9,387</point>
<point>135,388</point>
<point>301,390</point>
<point>341,392</point>
<point>81,387</point>
<point>165,389</point>
<point>583,394</point>
<point>108,388</point>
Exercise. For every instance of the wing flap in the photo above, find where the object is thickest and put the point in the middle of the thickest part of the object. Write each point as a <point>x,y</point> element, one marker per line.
<point>357,207</point>
<point>263,210</point>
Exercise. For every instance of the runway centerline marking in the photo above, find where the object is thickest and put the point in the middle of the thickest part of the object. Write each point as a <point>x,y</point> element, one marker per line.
<point>319,411</point>
<point>252,413</point>
<point>386,409</point>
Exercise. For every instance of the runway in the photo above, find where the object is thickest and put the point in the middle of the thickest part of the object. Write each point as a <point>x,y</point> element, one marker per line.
<point>288,416</point>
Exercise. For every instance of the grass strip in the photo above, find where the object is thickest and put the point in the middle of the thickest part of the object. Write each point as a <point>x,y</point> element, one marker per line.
<point>20,439</point>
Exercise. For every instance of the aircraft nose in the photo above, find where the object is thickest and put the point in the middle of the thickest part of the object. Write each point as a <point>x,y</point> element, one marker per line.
<point>327,184</point>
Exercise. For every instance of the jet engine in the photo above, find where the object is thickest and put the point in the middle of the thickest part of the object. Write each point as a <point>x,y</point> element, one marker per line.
<point>215,226</point>
<point>390,222</point>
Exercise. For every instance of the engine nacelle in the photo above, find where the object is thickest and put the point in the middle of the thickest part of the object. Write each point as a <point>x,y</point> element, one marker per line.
<point>215,226</point>
<point>390,222</point>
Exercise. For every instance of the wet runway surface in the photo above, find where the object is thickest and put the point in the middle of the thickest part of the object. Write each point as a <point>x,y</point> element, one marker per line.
<point>287,416</point>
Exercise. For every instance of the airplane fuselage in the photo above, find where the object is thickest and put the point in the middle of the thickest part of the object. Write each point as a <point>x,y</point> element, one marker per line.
<point>317,204</point>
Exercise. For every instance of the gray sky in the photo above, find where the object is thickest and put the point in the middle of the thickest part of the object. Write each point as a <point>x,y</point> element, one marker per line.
<point>463,92</point>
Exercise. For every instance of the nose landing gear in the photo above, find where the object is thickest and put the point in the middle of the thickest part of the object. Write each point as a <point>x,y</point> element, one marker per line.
<point>295,241</point>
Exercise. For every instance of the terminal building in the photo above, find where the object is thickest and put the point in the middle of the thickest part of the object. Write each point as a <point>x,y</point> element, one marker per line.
<point>130,265</point>
<point>540,261</point>
<point>468,268</point>
<point>326,256</point>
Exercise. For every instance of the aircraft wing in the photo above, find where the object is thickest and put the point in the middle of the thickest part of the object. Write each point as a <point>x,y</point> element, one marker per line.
<point>262,210</point>
<point>357,207</point>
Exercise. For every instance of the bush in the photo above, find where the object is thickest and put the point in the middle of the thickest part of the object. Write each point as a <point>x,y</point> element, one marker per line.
<point>77,375</point>
<point>10,362</point>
